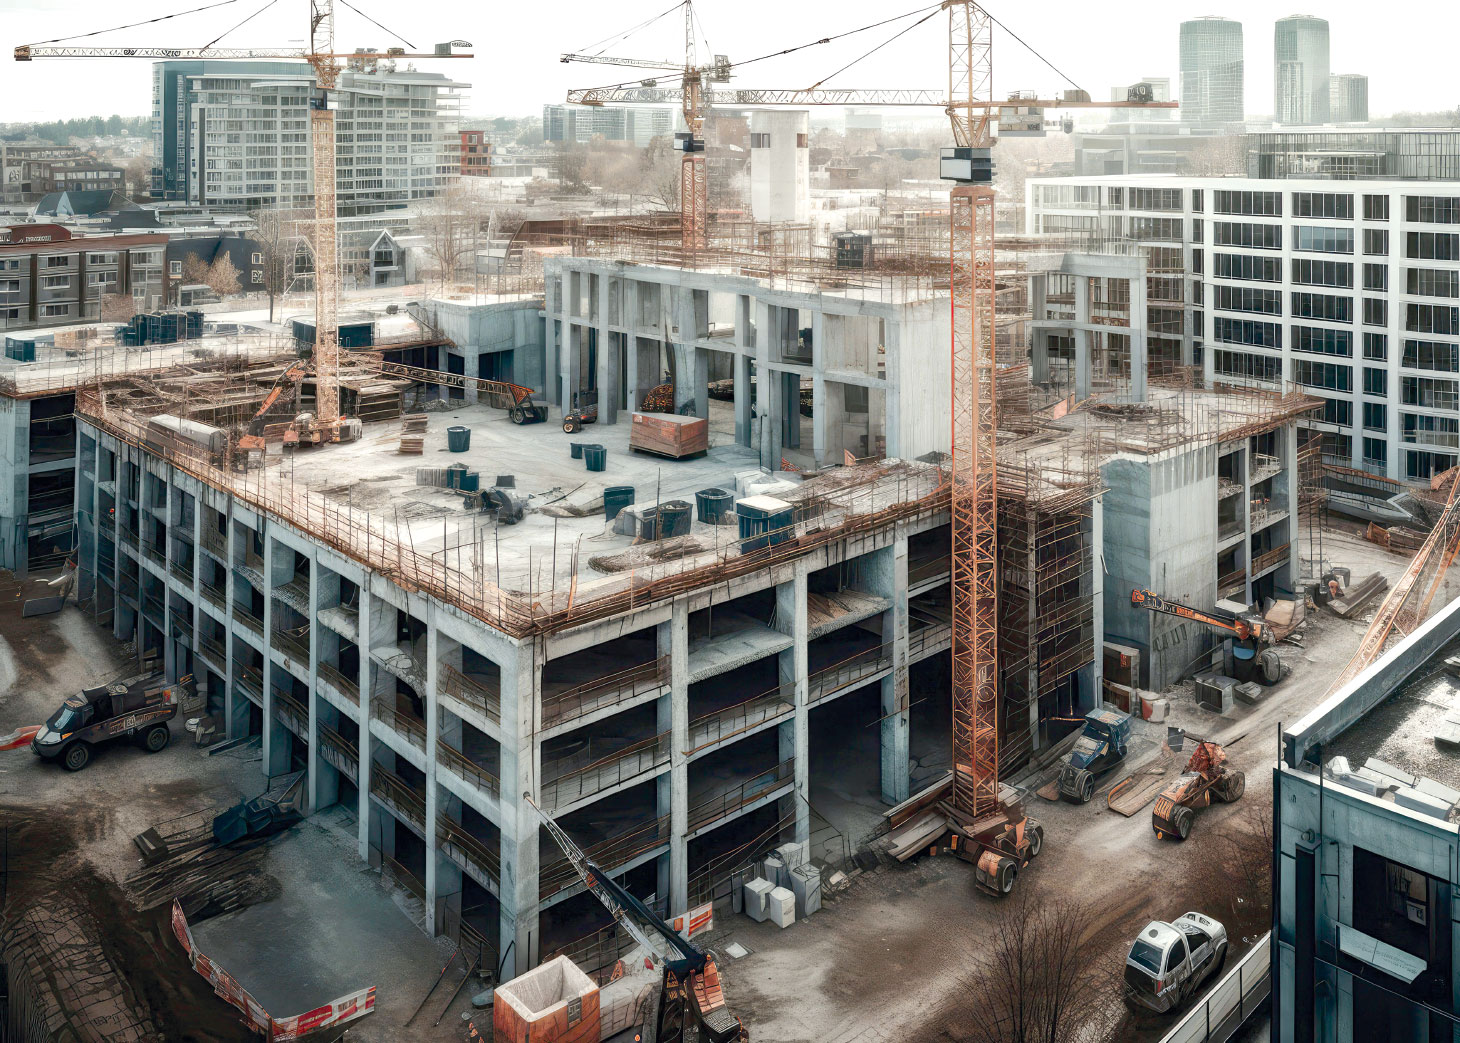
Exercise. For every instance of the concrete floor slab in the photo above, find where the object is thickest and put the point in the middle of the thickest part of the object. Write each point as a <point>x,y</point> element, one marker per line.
<point>738,643</point>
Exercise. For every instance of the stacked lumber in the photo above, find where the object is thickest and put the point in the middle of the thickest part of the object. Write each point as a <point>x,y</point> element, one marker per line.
<point>413,434</point>
<point>667,434</point>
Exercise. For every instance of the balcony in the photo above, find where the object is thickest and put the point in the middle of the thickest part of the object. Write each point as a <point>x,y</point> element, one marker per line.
<point>608,854</point>
<point>462,766</point>
<point>473,693</point>
<point>407,802</point>
<point>929,640</point>
<point>1273,558</point>
<point>215,596</point>
<point>608,690</point>
<point>249,680</point>
<point>1264,467</point>
<point>293,714</point>
<point>293,645</point>
<point>929,570</point>
<point>212,648</point>
<point>847,673</point>
<point>711,809</point>
<point>182,571</point>
<point>336,679</point>
<point>343,620</point>
<point>339,752</point>
<point>1232,583</point>
<point>623,765</point>
<point>467,851</point>
<point>405,666</point>
<point>215,544</point>
<point>127,534</point>
<point>711,728</point>
<point>246,616</point>
<point>413,728</point>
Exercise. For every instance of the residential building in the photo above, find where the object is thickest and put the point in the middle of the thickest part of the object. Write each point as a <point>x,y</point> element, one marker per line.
<point>29,171</point>
<point>1365,917</point>
<point>236,134</point>
<point>1212,72</point>
<point>476,154</point>
<point>1300,71</point>
<point>188,250</point>
<point>1349,290</point>
<point>52,277</point>
<point>1342,153</point>
<point>1348,98</point>
<point>583,123</point>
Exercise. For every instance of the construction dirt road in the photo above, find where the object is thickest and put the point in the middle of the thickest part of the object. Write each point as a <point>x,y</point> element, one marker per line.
<point>888,959</point>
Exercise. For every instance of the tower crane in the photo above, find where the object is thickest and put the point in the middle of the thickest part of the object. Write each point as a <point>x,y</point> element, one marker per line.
<point>326,424</point>
<point>982,822</point>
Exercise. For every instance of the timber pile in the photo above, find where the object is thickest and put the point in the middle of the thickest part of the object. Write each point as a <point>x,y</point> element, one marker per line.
<point>667,434</point>
<point>206,878</point>
<point>413,434</point>
<point>1359,596</point>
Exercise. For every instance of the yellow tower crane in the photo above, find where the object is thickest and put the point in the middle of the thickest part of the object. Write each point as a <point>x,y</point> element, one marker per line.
<point>327,425</point>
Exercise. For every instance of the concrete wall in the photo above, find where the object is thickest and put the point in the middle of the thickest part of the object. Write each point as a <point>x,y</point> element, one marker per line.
<point>780,176</point>
<point>14,479</point>
<point>482,329</point>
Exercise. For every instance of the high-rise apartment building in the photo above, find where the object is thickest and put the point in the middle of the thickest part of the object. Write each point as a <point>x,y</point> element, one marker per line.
<point>1300,70</point>
<point>1211,72</point>
<point>583,123</point>
<point>1348,98</point>
<point>237,134</point>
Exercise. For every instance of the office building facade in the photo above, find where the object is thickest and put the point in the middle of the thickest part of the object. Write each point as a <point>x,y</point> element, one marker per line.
<point>1300,71</point>
<point>1348,98</point>
<point>1343,153</point>
<point>583,123</point>
<point>1212,72</point>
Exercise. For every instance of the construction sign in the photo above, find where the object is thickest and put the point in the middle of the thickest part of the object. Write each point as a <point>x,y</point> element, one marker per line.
<point>346,1008</point>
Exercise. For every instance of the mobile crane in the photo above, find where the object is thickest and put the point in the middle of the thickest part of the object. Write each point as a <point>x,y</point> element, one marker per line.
<point>1251,631</point>
<point>522,410</point>
<point>690,994</point>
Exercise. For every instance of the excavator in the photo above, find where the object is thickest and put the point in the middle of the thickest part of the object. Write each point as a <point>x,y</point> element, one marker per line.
<point>1251,631</point>
<point>690,997</point>
<point>522,410</point>
<point>302,428</point>
<point>254,439</point>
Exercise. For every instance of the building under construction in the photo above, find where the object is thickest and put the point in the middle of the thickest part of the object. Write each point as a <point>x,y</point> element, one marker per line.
<point>433,622</point>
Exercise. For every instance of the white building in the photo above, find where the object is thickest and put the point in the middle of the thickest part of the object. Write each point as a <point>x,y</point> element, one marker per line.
<point>1349,289</point>
<point>780,166</point>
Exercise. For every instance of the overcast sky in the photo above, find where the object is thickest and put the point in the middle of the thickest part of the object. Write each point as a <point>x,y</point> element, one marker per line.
<point>1406,48</point>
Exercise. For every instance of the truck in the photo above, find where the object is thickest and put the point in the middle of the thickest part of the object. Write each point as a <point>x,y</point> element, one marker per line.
<point>1206,777</point>
<point>1101,747</point>
<point>136,708</point>
<point>1167,961</point>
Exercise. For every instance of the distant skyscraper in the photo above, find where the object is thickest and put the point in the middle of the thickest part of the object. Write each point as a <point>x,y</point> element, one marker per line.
<point>1348,98</point>
<point>1211,71</point>
<point>1300,70</point>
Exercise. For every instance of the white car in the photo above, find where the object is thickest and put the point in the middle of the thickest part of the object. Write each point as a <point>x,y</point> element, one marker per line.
<point>1167,961</point>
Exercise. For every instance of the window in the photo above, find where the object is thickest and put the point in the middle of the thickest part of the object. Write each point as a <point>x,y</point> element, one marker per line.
<point>1376,242</point>
<point>1432,282</point>
<point>1432,246</point>
<point>9,285</point>
<point>1325,240</point>
<point>1434,355</point>
<point>258,258</point>
<point>51,311</point>
<point>1312,373</point>
<point>1430,392</point>
<point>1376,208</point>
<point>1246,331</point>
<point>1341,446</point>
<point>174,268</point>
<point>104,279</point>
<point>1431,318</point>
<point>1317,341</point>
<point>55,282</point>
<point>1253,268</point>
<point>1375,416</point>
<point>1167,200</point>
<point>1248,367</point>
<point>1322,273</point>
<point>802,141</point>
<point>1432,210</point>
<point>1338,411</point>
<point>1198,263</point>
<point>1323,204</point>
<point>1376,452</point>
<point>1376,382</point>
<point>1322,306</point>
<point>1376,277</point>
<point>1248,298</point>
<point>1376,346</point>
<point>1196,232</point>
<point>1376,311</point>
<point>1256,237</point>
<point>760,141</point>
<point>57,261</point>
<point>1439,430</point>
<point>106,258</point>
<point>1196,200</point>
<point>1248,204</point>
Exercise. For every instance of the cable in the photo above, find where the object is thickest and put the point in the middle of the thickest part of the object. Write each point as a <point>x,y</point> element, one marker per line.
<point>838,36</point>
<point>373,22</point>
<point>618,37</point>
<point>220,36</point>
<point>874,50</point>
<point>1030,49</point>
<point>133,25</point>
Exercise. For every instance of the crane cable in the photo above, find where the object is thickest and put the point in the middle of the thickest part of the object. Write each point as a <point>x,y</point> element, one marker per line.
<point>373,22</point>
<point>874,50</point>
<point>838,36</point>
<point>133,25</point>
<point>1030,49</point>
<point>614,38</point>
<point>250,18</point>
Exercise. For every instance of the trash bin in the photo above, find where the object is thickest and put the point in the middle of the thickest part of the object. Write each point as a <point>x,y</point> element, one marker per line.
<point>458,439</point>
<point>713,504</point>
<point>615,499</point>
<point>674,518</point>
<point>595,457</point>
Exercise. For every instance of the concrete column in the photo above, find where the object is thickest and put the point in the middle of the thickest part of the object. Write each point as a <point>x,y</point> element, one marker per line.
<point>766,390</point>
<point>609,376</point>
<point>674,642</point>
<point>744,400</point>
<point>362,680</point>
<point>518,890</point>
<point>433,796</point>
<point>685,370</point>
<point>1083,361</point>
<point>702,383</point>
<point>1095,673</point>
<point>888,575</point>
<point>795,734</point>
<point>552,354</point>
<point>1139,349</point>
<point>629,319</point>
<point>1244,455</point>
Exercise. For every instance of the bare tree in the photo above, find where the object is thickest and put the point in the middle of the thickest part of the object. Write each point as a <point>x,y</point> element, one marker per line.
<point>1220,156</point>
<point>137,178</point>
<point>573,167</point>
<point>118,307</point>
<point>448,222</point>
<point>1041,975</point>
<point>276,240</point>
<point>660,174</point>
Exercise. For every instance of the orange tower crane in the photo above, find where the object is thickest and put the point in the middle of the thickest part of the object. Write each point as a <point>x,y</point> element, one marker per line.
<point>321,54</point>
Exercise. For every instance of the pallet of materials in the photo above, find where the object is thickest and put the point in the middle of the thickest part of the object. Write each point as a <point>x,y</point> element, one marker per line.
<point>666,434</point>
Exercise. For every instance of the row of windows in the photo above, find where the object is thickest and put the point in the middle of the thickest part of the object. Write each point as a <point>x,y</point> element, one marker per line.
<point>1247,331</point>
<point>1432,246</point>
<point>1253,268</point>
<point>1323,273</point>
<point>1328,375</point>
<point>1431,318</point>
<point>1430,392</point>
<point>1248,367</point>
<point>1326,306</point>
<point>1323,204</point>
<point>1248,204</point>
<point>1251,236</point>
<point>1248,298</point>
<point>1318,341</point>
<point>1433,355</point>
<point>1324,240</point>
<point>1435,210</point>
<point>1161,199</point>
<point>1432,282</point>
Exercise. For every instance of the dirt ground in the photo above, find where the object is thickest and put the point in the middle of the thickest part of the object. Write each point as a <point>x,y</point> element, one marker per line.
<point>319,924</point>
<point>885,961</point>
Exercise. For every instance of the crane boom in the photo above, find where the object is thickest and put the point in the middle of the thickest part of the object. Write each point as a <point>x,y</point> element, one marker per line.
<point>801,97</point>
<point>26,52</point>
<point>516,392</point>
<point>1244,629</point>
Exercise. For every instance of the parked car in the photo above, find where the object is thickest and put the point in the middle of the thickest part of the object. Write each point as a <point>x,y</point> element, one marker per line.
<point>1168,961</point>
<point>135,708</point>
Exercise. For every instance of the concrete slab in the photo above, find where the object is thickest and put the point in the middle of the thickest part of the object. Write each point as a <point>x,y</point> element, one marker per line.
<point>743,642</point>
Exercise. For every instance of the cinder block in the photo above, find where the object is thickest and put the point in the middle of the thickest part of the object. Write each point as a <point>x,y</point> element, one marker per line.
<point>781,907</point>
<point>774,870</point>
<point>794,855</point>
<point>806,886</point>
<point>757,894</point>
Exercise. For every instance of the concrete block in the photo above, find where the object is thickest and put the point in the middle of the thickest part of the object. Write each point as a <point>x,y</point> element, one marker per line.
<point>794,854</point>
<point>1385,768</point>
<point>806,886</point>
<point>1215,692</point>
<point>1438,790</point>
<point>1250,693</point>
<point>781,907</point>
<point>774,870</point>
<point>757,894</point>
<point>1414,800</point>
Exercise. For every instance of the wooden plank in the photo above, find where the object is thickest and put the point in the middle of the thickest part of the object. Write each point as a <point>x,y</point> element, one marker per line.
<point>668,435</point>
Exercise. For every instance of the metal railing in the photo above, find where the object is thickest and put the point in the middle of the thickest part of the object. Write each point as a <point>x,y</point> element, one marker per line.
<point>460,764</point>
<point>393,871</point>
<point>214,543</point>
<point>926,570</point>
<point>247,618</point>
<point>716,807</point>
<point>1271,558</point>
<point>608,854</point>
<point>346,686</point>
<point>919,641</point>
<point>413,728</point>
<point>292,644</point>
<point>847,672</point>
<point>729,721</point>
<point>154,554</point>
<point>182,570</point>
<point>340,752</point>
<point>286,707</point>
<point>214,648</point>
<point>608,690</point>
<point>392,791</point>
<point>473,940</point>
<point>453,835</point>
<point>217,596</point>
<point>1239,994</point>
<point>620,766</point>
<point>470,691</point>
<point>596,954</point>
<point>250,679</point>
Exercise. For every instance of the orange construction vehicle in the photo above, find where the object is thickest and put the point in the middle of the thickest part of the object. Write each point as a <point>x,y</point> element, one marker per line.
<point>1251,631</point>
<point>254,439</point>
<point>1206,777</point>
